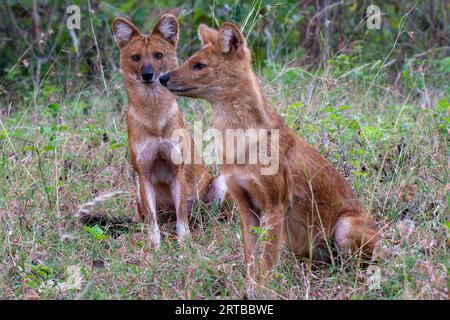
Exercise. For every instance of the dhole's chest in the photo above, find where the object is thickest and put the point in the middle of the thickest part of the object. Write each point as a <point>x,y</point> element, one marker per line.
<point>152,157</point>
<point>150,150</point>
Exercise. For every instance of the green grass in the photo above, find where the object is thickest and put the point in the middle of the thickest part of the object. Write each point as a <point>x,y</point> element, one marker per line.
<point>70,146</point>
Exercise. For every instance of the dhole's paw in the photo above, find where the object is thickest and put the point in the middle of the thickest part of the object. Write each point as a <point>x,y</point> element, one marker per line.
<point>183,232</point>
<point>155,237</point>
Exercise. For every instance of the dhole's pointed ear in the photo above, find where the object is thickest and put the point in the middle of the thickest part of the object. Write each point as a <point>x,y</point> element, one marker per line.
<point>123,31</point>
<point>231,39</point>
<point>207,34</point>
<point>167,26</point>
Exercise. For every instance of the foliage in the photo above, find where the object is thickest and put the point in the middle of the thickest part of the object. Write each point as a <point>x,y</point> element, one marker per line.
<point>376,103</point>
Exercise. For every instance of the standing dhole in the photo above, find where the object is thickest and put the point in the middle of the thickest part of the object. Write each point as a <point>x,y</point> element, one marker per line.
<point>306,202</point>
<point>152,116</point>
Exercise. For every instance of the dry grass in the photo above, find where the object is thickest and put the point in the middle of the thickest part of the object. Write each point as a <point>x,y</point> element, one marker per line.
<point>391,147</point>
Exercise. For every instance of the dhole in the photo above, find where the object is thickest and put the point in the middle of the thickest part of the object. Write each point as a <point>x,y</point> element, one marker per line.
<point>307,201</point>
<point>152,116</point>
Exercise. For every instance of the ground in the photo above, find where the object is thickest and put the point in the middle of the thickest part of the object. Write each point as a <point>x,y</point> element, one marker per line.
<point>64,147</point>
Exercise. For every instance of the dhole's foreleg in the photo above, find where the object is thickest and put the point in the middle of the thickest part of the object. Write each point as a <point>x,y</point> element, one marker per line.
<point>178,189</point>
<point>249,218</point>
<point>139,204</point>
<point>356,231</point>
<point>148,198</point>
<point>273,224</point>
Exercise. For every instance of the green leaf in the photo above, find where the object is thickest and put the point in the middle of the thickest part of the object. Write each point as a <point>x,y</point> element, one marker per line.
<point>443,106</point>
<point>258,231</point>
<point>296,105</point>
<point>49,147</point>
<point>118,145</point>
<point>96,232</point>
<point>54,107</point>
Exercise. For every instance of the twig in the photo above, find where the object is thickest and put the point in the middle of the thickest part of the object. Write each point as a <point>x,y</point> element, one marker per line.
<point>399,33</point>
<point>96,47</point>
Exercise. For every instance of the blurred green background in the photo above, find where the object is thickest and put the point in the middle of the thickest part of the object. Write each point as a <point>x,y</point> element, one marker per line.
<point>316,34</point>
<point>376,103</point>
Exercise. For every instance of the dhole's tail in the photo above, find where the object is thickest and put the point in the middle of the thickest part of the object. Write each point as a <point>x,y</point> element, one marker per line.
<point>358,232</point>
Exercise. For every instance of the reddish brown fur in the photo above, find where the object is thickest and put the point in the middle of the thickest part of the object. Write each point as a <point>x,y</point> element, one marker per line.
<point>307,201</point>
<point>152,117</point>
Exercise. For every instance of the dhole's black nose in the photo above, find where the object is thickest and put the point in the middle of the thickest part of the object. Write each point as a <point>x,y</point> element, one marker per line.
<point>147,73</point>
<point>164,79</point>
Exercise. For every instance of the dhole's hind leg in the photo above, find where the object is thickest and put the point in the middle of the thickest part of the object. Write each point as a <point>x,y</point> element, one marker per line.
<point>305,243</point>
<point>356,231</point>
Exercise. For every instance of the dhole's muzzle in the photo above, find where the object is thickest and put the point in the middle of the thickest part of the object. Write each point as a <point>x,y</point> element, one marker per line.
<point>147,73</point>
<point>175,88</point>
<point>164,79</point>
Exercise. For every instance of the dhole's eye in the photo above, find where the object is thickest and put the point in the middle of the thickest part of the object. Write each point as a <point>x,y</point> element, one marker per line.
<point>199,66</point>
<point>158,55</point>
<point>136,57</point>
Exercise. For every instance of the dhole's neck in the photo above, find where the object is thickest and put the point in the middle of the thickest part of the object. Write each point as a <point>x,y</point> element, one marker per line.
<point>151,101</point>
<point>152,109</point>
<point>242,105</point>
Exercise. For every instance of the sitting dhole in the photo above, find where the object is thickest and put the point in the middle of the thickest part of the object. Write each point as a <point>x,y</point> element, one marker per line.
<point>306,202</point>
<point>152,116</point>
